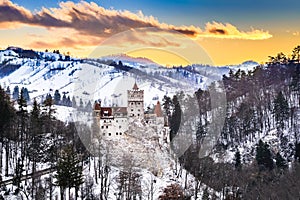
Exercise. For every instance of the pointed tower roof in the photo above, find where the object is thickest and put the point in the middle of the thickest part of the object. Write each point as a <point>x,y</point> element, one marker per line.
<point>135,87</point>
<point>157,110</point>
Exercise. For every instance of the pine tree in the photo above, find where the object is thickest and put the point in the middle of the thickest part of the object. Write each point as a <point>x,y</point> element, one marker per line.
<point>57,97</point>
<point>69,171</point>
<point>280,161</point>
<point>88,106</point>
<point>175,118</point>
<point>48,112</point>
<point>69,102</point>
<point>25,93</point>
<point>74,104</point>
<point>34,147</point>
<point>7,112</point>
<point>237,160</point>
<point>200,133</point>
<point>264,156</point>
<point>64,100</point>
<point>281,110</point>
<point>80,104</point>
<point>8,91</point>
<point>16,93</point>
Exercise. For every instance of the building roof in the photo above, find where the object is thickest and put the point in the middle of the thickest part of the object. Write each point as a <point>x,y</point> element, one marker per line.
<point>135,87</point>
<point>106,111</point>
<point>157,110</point>
<point>97,106</point>
<point>120,110</point>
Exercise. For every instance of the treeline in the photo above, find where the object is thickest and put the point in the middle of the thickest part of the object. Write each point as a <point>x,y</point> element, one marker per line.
<point>58,98</point>
<point>259,102</point>
<point>29,138</point>
<point>34,141</point>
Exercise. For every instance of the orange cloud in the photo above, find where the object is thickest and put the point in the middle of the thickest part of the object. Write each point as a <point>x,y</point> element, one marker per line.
<point>229,31</point>
<point>93,20</point>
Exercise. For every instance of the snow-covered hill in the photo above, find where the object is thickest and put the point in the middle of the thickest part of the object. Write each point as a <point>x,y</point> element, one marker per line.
<point>42,73</point>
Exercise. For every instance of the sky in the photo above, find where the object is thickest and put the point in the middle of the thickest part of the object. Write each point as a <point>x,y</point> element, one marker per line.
<point>217,32</point>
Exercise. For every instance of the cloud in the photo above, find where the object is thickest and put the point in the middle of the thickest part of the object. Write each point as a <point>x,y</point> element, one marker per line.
<point>297,33</point>
<point>83,24</point>
<point>220,30</point>
<point>91,19</point>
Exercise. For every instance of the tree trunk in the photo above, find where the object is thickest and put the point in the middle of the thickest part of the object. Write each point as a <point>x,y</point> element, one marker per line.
<point>62,193</point>
<point>6,157</point>
<point>33,178</point>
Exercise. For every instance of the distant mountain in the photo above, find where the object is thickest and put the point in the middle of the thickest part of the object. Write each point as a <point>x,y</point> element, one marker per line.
<point>91,79</point>
<point>133,61</point>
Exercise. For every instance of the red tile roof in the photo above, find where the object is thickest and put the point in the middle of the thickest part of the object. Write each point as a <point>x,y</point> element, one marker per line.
<point>97,106</point>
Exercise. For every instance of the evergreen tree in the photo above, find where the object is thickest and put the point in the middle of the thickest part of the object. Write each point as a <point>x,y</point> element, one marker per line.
<point>88,106</point>
<point>80,104</point>
<point>34,147</point>
<point>48,112</point>
<point>8,91</point>
<point>200,133</point>
<point>264,156</point>
<point>64,100</point>
<point>175,117</point>
<point>7,112</point>
<point>237,159</point>
<point>16,93</point>
<point>74,104</point>
<point>25,93</point>
<point>69,171</point>
<point>281,110</point>
<point>69,102</point>
<point>57,97</point>
<point>280,161</point>
<point>167,106</point>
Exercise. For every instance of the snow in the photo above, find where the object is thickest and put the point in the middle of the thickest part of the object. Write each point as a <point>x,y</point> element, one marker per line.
<point>91,80</point>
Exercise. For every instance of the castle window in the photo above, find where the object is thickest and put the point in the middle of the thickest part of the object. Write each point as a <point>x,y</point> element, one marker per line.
<point>120,126</point>
<point>106,126</point>
<point>104,121</point>
<point>116,133</point>
<point>102,127</point>
<point>117,121</point>
<point>120,133</point>
<point>109,134</point>
<point>131,103</point>
<point>139,103</point>
<point>131,110</point>
<point>139,110</point>
<point>138,115</point>
<point>103,134</point>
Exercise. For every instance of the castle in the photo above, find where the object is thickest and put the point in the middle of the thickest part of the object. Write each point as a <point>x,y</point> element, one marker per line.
<point>114,122</point>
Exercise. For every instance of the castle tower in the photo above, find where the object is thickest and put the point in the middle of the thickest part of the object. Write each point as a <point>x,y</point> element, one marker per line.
<point>135,108</point>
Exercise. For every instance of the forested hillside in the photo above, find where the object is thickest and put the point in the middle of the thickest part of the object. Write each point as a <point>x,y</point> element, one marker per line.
<point>257,153</point>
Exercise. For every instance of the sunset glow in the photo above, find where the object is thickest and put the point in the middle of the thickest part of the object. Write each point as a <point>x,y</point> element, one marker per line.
<point>79,27</point>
